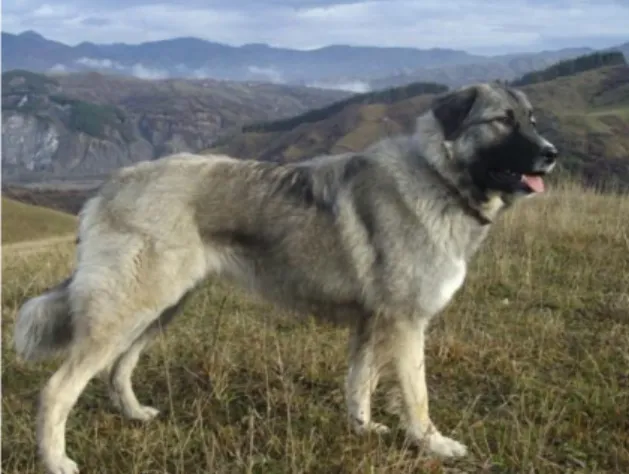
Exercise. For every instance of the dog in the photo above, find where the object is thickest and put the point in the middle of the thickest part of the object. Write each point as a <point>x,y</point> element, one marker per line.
<point>378,240</point>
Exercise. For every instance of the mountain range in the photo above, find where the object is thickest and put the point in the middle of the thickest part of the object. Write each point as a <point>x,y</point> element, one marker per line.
<point>352,68</point>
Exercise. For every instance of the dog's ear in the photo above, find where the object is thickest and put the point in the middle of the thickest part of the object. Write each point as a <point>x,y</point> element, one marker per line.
<point>452,109</point>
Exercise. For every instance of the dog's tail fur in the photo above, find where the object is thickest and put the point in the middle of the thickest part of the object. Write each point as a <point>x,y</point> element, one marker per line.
<point>43,325</point>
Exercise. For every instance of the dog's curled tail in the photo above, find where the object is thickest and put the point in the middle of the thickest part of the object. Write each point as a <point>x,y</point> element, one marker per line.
<point>43,324</point>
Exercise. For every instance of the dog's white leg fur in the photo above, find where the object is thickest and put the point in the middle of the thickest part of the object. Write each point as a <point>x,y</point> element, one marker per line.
<point>102,331</point>
<point>362,379</point>
<point>411,369</point>
<point>120,386</point>
<point>59,397</point>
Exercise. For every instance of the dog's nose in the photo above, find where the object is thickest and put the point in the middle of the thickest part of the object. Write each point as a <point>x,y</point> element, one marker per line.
<point>549,152</point>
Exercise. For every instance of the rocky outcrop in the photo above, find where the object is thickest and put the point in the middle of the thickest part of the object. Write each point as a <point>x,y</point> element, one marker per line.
<point>86,125</point>
<point>36,147</point>
<point>28,142</point>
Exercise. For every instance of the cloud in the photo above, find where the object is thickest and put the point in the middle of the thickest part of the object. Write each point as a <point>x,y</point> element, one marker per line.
<point>58,69</point>
<point>93,21</point>
<point>357,87</point>
<point>268,74</point>
<point>138,70</point>
<point>98,63</point>
<point>143,72</point>
<point>475,25</point>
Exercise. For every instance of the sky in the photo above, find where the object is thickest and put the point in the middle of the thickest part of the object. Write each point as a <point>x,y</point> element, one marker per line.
<point>477,26</point>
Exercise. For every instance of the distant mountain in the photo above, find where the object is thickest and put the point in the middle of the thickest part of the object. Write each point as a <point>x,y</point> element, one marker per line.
<point>352,68</point>
<point>623,48</point>
<point>84,125</point>
<point>335,66</point>
<point>505,67</point>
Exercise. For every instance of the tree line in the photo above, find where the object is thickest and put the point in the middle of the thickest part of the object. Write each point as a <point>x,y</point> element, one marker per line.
<point>385,96</point>
<point>570,67</point>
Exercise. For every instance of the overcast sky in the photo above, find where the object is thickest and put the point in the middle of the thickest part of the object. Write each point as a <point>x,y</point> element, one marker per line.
<point>482,26</point>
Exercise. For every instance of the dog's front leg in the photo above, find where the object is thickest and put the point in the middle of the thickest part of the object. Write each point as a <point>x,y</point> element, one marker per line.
<point>411,370</point>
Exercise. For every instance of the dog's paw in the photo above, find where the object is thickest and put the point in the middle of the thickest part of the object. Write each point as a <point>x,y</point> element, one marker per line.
<point>443,446</point>
<point>63,465</point>
<point>362,428</point>
<point>142,413</point>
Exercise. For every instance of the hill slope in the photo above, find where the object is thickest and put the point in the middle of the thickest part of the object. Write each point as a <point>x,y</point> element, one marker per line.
<point>571,67</point>
<point>22,222</point>
<point>364,119</point>
<point>84,125</point>
<point>586,115</point>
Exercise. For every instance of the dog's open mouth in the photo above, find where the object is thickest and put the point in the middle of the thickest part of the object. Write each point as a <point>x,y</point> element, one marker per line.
<point>534,182</point>
<point>531,183</point>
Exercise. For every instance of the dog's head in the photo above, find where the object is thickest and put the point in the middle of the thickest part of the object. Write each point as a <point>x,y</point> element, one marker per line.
<point>490,131</point>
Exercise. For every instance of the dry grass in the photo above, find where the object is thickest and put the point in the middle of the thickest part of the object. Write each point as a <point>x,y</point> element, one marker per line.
<point>21,222</point>
<point>529,367</point>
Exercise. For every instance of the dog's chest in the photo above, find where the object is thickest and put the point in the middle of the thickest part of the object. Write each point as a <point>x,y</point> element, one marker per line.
<point>440,285</point>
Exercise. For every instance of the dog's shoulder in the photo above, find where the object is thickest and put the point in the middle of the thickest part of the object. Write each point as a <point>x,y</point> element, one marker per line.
<point>329,175</point>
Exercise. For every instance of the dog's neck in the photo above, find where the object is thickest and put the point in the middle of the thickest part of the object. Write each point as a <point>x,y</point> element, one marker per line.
<point>440,156</point>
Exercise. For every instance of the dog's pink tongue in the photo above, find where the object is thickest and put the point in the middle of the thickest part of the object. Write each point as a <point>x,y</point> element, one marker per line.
<point>534,182</point>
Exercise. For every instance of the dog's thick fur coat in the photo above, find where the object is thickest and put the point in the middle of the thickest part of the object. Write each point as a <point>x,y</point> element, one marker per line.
<point>378,240</point>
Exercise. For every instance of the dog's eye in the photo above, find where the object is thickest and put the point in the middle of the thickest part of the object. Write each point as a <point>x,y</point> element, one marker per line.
<point>509,116</point>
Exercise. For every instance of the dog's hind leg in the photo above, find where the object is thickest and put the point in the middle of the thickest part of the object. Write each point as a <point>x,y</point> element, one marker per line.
<point>408,347</point>
<point>60,394</point>
<point>103,330</point>
<point>120,385</point>
<point>362,379</point>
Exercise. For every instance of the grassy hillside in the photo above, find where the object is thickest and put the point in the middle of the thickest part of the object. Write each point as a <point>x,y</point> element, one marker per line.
<point>351,128</point>
<point>586,115</point>
<point>528,367</point>
<point>58,197</point>
<point>21,222</point>
<point>386,96</point>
